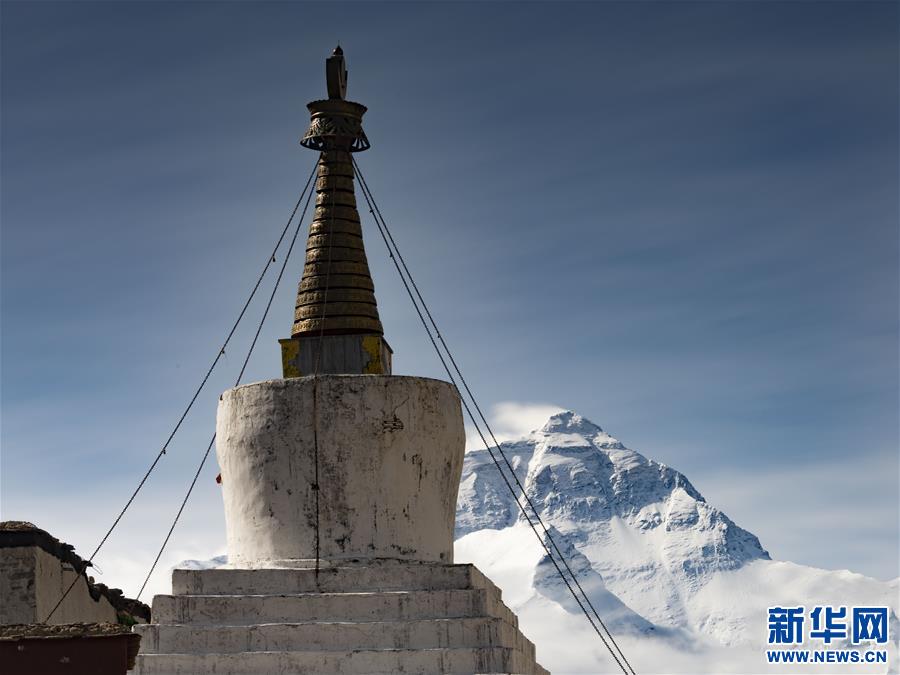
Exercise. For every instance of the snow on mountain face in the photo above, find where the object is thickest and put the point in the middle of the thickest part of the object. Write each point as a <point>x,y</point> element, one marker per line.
<point>639,522</point>
<point>617,616</point>
<point>664,568</point>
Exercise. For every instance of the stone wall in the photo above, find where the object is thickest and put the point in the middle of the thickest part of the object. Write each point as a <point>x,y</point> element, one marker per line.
<point>31,583</point>
<point>52,578</point>
<point>35,571</point>
<point>17,584</point>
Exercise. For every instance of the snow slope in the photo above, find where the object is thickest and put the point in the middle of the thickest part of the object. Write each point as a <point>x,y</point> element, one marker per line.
<point>677,580</point>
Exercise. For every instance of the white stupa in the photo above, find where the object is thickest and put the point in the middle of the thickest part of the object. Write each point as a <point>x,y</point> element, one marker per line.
<point>340,485</point>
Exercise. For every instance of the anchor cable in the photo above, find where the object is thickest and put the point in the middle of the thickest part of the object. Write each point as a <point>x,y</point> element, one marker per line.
<point>506,461</point>
<point>240,376</point>
<point>392,249</point>
<point>487,445</point>
<point>159,456</point>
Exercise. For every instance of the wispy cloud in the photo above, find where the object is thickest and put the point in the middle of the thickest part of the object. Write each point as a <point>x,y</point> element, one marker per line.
<point>510,420</point>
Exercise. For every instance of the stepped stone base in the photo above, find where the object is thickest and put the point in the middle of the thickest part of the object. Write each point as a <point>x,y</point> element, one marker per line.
<point>365,618</point>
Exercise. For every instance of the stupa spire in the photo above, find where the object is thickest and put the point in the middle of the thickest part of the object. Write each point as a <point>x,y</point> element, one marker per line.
<point>336,296</point>
<point>339,490</point>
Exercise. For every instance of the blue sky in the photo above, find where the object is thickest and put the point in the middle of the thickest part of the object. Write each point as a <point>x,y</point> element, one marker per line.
<point>678,219</point>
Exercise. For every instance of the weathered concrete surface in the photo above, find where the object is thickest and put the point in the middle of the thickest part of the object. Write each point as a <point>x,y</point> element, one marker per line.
<point>385,451</point>
<point>369,662</point>
<point>32,581</point>
<point>393,617</point>
<point>333,635</point>
<point>378,576</point>
<point>353,607</point>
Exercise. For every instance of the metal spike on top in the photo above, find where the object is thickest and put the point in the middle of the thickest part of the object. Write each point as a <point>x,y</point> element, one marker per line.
<point>336,294</point>
<point>336,123</point>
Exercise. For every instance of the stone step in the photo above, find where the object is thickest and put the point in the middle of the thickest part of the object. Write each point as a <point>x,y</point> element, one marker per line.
<point>333,636</point>
<point>370,662</point>
<point>353,607</point>
<point>352,579</point>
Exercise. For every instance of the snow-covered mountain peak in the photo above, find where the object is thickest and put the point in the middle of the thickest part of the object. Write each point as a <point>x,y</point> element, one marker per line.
<point>633,518</point>
<point>571,422</point>
<point>658,561</point>
<point>568,428</point>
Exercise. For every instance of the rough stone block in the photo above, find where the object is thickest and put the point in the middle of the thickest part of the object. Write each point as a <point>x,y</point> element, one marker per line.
<point>333,636</point>
<point>384,617</point>
<point>369,662</point>
<point>384,606</point>
<point>347,579</point>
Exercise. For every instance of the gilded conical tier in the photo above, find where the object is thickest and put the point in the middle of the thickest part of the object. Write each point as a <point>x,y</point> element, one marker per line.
<point>336,294</point>
<point>336,325</point>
